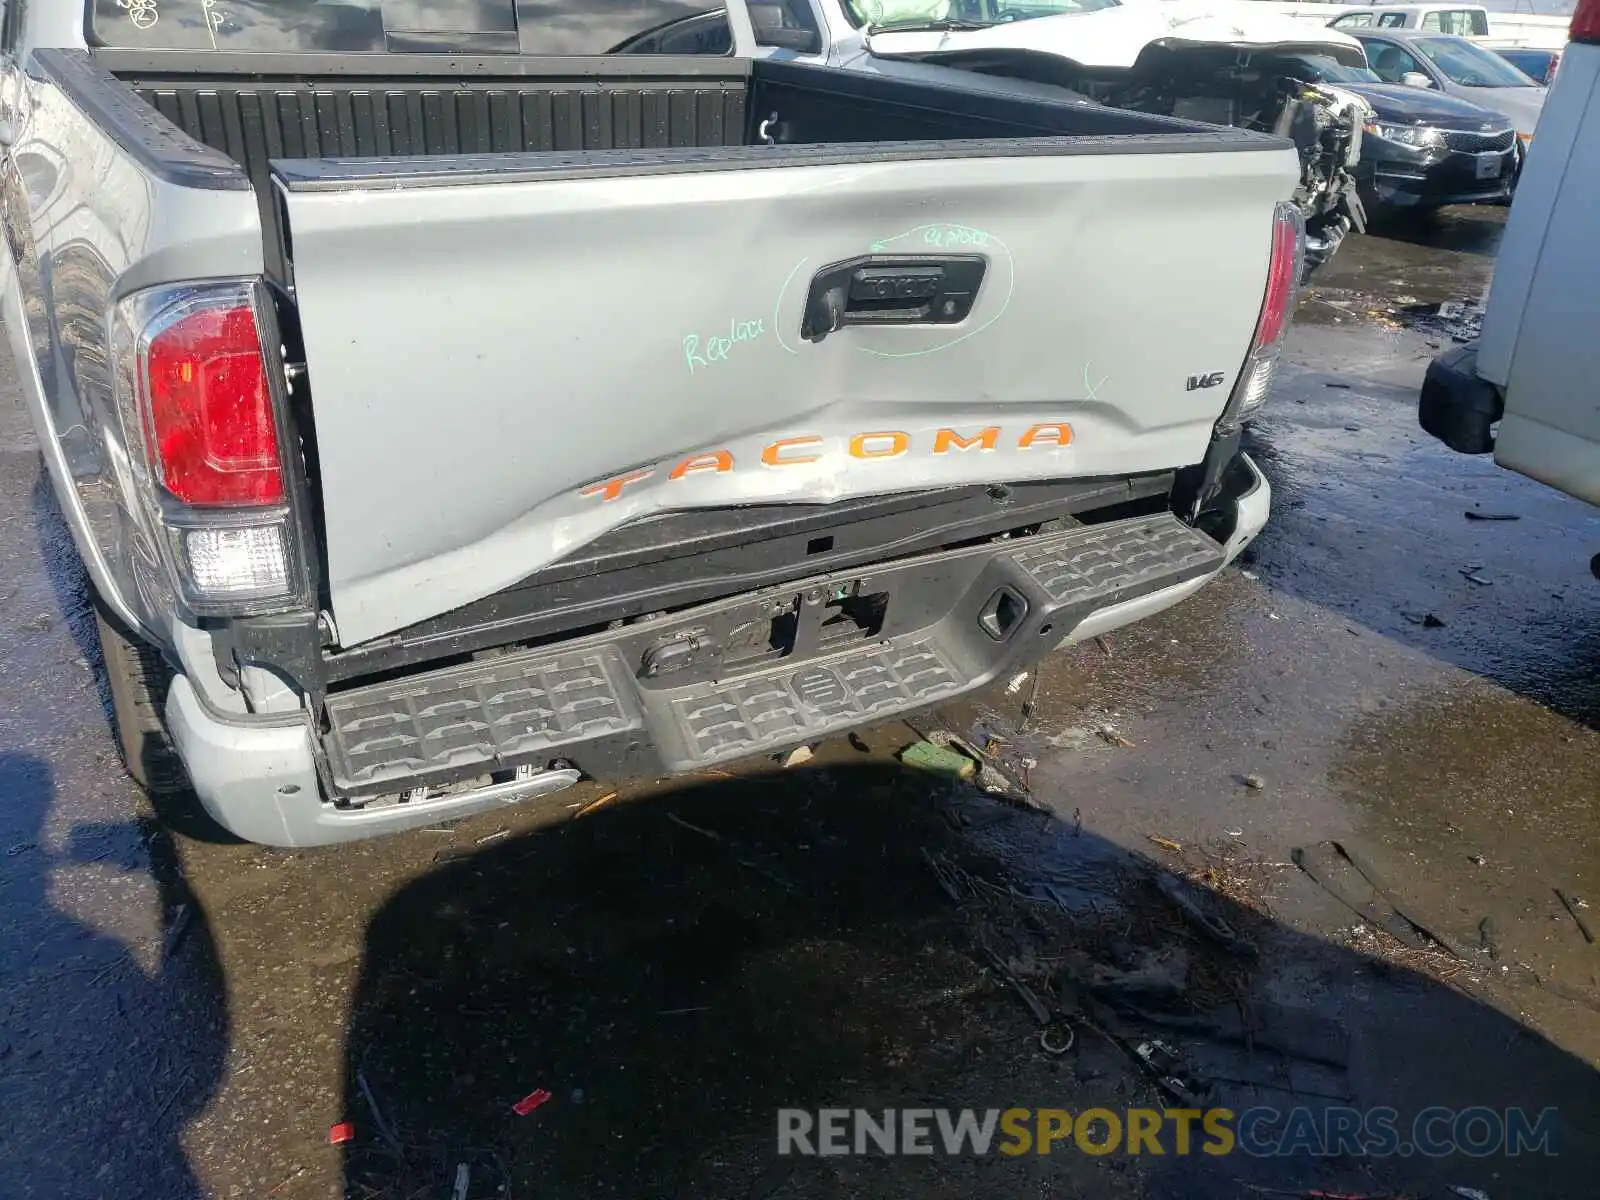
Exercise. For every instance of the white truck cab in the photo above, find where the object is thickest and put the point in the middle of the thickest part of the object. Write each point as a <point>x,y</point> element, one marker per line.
<point>1535,368</point>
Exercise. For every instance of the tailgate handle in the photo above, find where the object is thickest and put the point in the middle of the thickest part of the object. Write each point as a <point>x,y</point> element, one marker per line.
<point>877,289</point>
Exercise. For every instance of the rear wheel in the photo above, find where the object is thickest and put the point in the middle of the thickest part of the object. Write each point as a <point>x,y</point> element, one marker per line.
<point>139,678</point>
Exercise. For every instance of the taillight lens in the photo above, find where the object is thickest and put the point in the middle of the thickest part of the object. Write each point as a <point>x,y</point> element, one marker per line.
<point>1586,22</point>
<point>1283,274</point>
<point>1287,259</point>
<point>196,382</point>
<point>212,435</point>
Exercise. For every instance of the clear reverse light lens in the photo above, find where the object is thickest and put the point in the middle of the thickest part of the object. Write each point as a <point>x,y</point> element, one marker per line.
<point>241,563</point>
<point>1258,384</point>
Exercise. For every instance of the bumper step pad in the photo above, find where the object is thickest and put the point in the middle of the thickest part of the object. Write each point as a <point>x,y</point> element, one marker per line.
<point>475,716</point>
<point>1104,563</point>
<point>535,705</point>
<point>716,721</point>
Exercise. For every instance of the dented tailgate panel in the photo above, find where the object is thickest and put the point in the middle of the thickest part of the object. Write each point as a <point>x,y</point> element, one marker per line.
<point>501,371</point>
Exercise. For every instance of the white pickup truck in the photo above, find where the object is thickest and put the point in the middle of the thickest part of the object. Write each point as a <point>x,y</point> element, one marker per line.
<point>449,402</point>
<point>1494,29</point>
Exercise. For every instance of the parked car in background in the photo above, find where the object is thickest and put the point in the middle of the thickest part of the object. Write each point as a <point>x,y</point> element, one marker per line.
<point>1526,388</point>
<point>1422,149</point>
<point>1457,67</point>
<point>1538,65</point>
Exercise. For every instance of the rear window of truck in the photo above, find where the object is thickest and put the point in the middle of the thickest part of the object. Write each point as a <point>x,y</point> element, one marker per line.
<point>527,27</point>
<point>1462,22</point>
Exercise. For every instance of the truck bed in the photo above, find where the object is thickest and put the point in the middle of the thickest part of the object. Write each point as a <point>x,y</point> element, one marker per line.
<point>458,136</point>
<point>259,108</point>
<point>255,108</point>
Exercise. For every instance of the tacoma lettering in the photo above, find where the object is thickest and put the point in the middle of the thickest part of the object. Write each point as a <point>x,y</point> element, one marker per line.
<point>806,448</point>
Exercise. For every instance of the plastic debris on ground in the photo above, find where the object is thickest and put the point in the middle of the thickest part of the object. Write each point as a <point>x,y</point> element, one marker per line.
<point>800,754</point>
<point>534,1099</point>
<point>1458,320</point>
<point>1426,620</point>
<point>341,1133</point>
<point>939,760</point>
<point>590,807</point>
<point>1572,904</point>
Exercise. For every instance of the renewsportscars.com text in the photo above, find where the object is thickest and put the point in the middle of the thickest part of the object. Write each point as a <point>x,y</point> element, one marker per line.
<point>1259,1132</point>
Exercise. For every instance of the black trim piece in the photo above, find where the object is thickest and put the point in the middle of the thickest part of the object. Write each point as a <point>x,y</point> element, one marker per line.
<point>161,148</point>
<point>378,122</point>
<point>415,68</point>
<point>858,106</point>
<point>286,643</point>
<point>691,558</point>
<point>1198,487</point>
<point>332,175</point>
<point>826,117</point>
<point>1456,405</point>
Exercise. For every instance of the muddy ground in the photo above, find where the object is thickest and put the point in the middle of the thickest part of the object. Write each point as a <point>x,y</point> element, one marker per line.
<point>186,1017</point>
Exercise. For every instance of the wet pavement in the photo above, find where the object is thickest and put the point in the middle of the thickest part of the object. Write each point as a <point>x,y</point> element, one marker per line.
<point>184,1016</point>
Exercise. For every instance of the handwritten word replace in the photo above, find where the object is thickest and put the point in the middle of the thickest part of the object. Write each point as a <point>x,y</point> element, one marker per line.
<point>699,355</point>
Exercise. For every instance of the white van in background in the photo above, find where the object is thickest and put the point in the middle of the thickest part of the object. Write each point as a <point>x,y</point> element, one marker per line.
<point>1536,368</point>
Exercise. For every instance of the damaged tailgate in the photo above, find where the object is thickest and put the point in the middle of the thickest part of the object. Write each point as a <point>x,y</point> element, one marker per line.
<point>512,355</point>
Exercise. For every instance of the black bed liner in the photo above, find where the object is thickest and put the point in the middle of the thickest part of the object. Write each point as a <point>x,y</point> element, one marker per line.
<point>401,116</point>
<point>256,108</point>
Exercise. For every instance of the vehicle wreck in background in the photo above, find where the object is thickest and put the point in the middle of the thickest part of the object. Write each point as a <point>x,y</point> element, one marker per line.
<point>1225,62</point>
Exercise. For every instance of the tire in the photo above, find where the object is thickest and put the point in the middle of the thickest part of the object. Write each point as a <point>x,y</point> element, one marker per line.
<point>139,677</point>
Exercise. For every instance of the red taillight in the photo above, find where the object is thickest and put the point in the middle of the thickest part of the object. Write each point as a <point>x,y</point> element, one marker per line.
<point>212,435</point>
<point>1282,276</point>
<point>1250,390</point>
<point>1586,22</point>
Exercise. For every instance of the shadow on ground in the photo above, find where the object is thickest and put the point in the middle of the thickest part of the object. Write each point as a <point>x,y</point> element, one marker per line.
<point>1464,229</point>
<point>673,970</point>
<point>104,1058</point>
